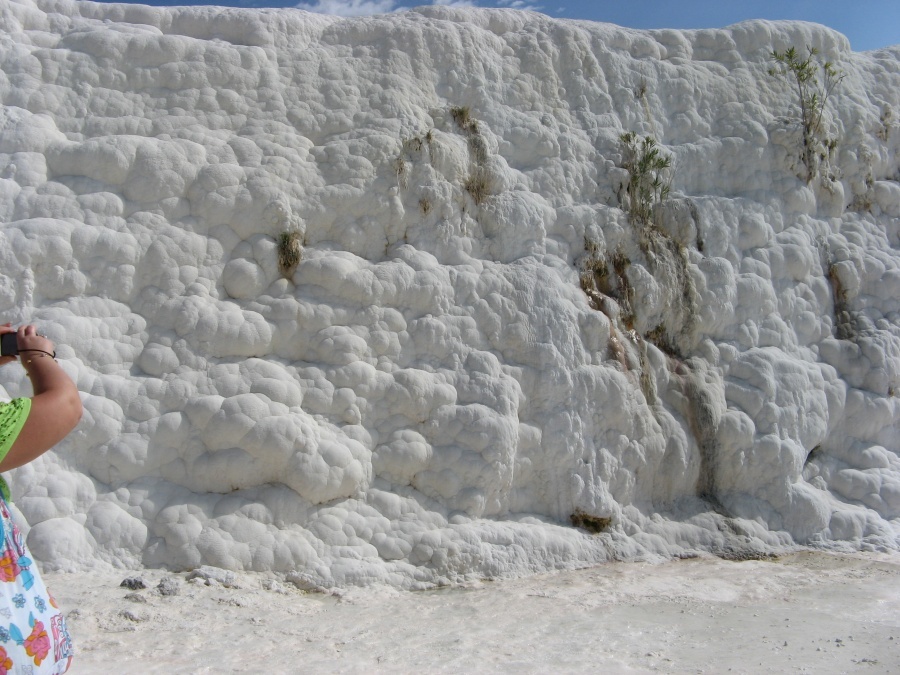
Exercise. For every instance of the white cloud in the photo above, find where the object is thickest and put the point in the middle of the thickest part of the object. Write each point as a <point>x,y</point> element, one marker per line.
<point>519,4</point>
<point>350,7</point>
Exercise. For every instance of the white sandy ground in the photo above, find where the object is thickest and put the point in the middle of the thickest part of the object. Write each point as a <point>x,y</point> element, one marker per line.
<point>802,612</point>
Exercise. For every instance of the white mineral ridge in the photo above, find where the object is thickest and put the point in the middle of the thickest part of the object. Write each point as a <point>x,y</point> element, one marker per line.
<point>429,395</point>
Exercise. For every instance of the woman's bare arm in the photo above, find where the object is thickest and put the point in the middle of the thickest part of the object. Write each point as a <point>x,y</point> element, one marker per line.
<point>55,406</point>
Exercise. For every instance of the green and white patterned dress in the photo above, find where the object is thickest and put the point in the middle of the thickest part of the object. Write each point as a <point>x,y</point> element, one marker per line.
<point>33,633</point>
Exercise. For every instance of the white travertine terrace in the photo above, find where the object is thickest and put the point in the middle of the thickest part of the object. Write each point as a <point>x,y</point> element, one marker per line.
<point>430,394</point>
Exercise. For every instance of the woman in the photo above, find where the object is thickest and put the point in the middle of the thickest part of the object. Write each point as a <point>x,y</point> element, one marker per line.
<point>32,629</point>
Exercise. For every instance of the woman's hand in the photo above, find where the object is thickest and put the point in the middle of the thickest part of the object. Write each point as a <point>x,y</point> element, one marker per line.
<point>29,339</point>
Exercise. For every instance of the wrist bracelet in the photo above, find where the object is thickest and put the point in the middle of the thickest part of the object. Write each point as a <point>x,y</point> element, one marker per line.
<point>52,356</point>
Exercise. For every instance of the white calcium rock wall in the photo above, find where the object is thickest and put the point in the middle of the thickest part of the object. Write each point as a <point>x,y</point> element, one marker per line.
<point>434,392</point>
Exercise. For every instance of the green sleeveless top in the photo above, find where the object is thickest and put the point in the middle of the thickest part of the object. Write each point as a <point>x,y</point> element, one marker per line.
<point>12,419</point>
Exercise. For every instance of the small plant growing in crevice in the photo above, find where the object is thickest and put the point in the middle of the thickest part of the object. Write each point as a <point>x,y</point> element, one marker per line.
<point>604,280</point>
<point>479,181</point>
<point>649,176</point>
<point>478,184</point>
<point>605,275</point>
<point>586,521</point>
<point>413,144</point>
<point>624,292</point>
<point>812,97</point>
<point>463,118</point>
<point>640,94</point>
<point>640,91</point>
<point>289,252</point>
<point>425,205</point>
<point>660,338</point>
<point>594,274</point>
<point>409,149</point>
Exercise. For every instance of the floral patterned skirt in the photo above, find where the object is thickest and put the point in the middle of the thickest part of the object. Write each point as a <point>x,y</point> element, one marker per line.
<point>33,634</point>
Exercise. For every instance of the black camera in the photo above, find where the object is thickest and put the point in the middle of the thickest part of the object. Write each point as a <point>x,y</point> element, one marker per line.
<point>9,344</point>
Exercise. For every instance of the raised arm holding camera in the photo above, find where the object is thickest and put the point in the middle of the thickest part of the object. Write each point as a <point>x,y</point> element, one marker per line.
<point>33,634</point>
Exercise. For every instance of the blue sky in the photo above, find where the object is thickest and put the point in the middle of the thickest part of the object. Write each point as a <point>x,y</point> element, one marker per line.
<point>869,24</point>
